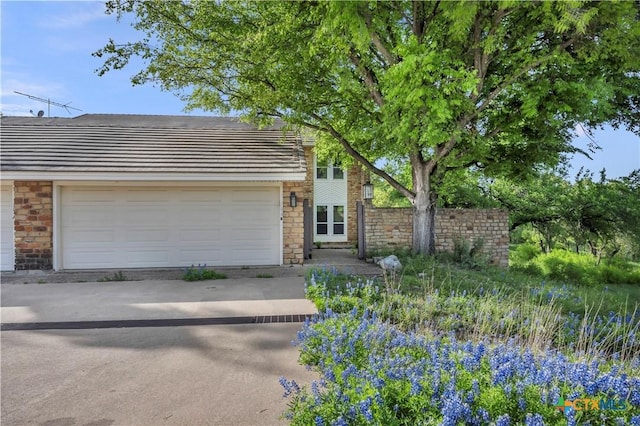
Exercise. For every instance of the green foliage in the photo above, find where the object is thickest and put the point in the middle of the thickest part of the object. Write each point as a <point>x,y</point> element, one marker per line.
<point>577,268</point>
<point>600,216</point>
<point>264,276</point>
<point>493,86</point>
<point>200,273</point>
<point>467,253</point>
<point>117,276</point>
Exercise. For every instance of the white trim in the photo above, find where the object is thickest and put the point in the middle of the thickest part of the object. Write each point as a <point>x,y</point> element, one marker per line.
<point>11,186</point>
<point>57,241</point>
<point>155,177</point>
<point>281,224</point>
<point>167,184</point>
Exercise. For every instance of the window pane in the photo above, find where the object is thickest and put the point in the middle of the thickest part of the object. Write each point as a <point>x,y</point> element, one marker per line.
<point>338,229</point>
<point>321,229</point>
<point>321,214</point>
<point>321,173</point>
<point>338,173</point>
<point>338,214</point>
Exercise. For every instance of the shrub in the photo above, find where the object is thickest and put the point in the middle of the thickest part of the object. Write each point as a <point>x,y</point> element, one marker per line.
<point>201,273</point>
<point>524,253</point>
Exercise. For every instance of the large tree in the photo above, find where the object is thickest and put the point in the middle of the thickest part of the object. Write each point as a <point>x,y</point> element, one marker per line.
<point>443,85</point>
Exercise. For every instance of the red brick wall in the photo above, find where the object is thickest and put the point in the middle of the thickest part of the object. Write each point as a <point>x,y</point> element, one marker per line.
<point>292,224</point>
<point>33,224</point>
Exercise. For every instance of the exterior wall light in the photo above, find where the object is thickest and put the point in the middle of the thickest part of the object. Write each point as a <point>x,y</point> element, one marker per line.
<point>367,191</point>
<point>293,200</point>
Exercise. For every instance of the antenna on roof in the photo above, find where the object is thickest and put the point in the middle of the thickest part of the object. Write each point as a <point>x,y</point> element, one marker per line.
<point>49,102</point>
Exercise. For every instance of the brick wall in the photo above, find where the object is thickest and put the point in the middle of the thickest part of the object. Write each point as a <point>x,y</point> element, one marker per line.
<point>355,181</point>
<point>33,224</point>
<point>392,227</point>
<point>292,224</point>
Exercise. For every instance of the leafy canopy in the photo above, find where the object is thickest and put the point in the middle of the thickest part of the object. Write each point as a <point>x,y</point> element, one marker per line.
<point>496,86</point>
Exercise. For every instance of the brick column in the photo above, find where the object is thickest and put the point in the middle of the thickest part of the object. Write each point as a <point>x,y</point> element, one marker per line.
<point>33,224</point>
<point>292,224</point>
<point>355,180</point>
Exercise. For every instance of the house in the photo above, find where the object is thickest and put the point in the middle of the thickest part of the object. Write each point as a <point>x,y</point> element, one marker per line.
<point>138,191</point>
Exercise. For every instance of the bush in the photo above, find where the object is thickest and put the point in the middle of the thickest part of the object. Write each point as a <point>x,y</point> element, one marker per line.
<point>201,273</point>
<point>578,268</point>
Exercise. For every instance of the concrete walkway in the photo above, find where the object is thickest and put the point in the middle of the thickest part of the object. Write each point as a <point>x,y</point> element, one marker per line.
<point>149,374</point>
<point>154,299</point>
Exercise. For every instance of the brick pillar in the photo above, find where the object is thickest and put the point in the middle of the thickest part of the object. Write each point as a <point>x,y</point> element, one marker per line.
<point>355,180</point>
<point>292,224</point>
<point>33,224</point>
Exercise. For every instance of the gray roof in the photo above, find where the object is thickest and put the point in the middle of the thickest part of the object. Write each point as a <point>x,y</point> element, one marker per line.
<point>146,143</point>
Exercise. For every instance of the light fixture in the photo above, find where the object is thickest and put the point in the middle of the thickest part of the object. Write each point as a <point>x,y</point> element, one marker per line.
<point>293,200</point>
<point>367,191</point>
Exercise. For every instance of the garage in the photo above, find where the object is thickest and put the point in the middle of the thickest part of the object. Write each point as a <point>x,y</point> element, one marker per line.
<point>153,226</point>
<point>120,191</point>
<point>6,228</point>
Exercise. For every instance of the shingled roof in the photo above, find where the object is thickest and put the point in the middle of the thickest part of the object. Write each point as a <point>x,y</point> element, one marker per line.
<point>147,144</point>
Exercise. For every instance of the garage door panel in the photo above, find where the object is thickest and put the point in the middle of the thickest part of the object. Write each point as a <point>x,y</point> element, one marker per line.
<point>167,227</point>
<point>144,257</point>
<point>151,235</point>
<point>96,257</point>
<point>91,195</point>
<point>93,237</point>
<point>253,234</point>
<point>89,215</point>
<point>200,256</point>
<point>200,235</point>
<point>147,195</point>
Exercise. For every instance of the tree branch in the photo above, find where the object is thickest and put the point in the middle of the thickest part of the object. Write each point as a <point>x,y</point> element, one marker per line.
<point>327,128</point>
<point>369,77</point>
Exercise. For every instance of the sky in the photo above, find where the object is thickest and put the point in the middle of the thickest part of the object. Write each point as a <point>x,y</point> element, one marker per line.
<point>46,51</point>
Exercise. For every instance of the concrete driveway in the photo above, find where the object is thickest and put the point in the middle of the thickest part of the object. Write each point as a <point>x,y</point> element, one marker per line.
<point>223,374</point>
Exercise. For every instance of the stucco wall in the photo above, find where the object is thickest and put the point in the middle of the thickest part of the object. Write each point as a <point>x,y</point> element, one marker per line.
<point>392,227</point>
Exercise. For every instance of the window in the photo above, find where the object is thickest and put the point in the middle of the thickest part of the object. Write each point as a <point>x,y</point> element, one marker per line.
<point>338,220</point>
<point>338,173</point>
<point>321,171</point>
<point>322,226</point>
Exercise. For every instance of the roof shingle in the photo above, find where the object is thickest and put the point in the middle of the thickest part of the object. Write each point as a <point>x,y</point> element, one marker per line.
<point>153,144</point>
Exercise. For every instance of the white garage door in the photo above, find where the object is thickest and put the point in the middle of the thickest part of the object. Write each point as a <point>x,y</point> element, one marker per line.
<point>133,227</point>
<point>6,228</point>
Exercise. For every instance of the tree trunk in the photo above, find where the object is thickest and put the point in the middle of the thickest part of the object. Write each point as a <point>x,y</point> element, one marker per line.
<point>424,212</point>
<point>424,223</point>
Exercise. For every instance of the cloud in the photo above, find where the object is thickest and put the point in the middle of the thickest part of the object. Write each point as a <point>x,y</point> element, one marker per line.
<point>89,13</point>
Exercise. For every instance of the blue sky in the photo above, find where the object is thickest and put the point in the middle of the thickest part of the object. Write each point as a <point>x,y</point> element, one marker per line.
<point>46,52</point>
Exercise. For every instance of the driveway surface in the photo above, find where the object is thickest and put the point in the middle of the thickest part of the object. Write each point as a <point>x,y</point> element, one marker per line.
<point>187,375</point>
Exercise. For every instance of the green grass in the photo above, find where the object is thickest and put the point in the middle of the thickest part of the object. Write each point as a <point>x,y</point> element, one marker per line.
<point>420,271</point>
<point>493,304</point>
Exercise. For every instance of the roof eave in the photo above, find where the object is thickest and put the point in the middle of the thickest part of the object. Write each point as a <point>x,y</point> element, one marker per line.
<point>297,176</point>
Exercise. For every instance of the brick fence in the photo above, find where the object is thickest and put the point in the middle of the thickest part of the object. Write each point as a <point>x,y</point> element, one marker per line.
<point>390,227</point>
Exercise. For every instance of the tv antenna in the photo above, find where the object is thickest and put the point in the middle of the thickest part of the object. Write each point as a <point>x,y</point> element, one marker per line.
<point>49,102</point>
